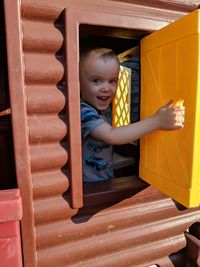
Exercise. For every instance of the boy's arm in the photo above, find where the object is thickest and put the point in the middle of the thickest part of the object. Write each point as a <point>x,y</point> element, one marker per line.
<point>167,117</point>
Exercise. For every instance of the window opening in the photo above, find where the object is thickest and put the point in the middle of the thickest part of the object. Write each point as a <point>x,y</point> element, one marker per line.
<point>126,45</point>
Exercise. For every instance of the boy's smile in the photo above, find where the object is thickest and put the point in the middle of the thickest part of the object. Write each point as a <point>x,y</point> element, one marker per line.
<point>98,80</point>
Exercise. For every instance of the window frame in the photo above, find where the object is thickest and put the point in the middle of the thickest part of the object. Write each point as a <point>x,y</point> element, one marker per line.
<point>140,20</point>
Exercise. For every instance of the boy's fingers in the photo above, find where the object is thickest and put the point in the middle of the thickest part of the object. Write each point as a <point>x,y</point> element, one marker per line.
<point>179,112</point>
<point>180,108</point>
<point>180,120</point>
<point>175,104</point>
<point>167,105</point>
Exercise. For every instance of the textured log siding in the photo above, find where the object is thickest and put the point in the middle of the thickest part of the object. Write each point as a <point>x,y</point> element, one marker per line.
<point>144,229</point>
<point>46,183</point>
<point>44,99</point>
<point>36,40</point>
<point>43,71</point>
<point>122,234</point>
<point>49,128</point>
<point>45,105</point>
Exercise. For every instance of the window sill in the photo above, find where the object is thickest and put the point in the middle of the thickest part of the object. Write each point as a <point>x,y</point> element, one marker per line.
<point>112,190</point>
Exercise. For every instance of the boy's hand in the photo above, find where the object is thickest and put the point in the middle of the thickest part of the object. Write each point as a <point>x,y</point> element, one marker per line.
<point>170,117</point>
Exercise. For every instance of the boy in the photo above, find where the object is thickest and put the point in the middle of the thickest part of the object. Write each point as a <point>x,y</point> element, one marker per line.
<point>99,69</point>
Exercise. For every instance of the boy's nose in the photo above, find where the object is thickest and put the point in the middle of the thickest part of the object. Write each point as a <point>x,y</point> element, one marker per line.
<point>105,87</point>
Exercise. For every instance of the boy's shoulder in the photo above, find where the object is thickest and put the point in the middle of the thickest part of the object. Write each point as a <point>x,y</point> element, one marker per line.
<point>84,105</point>
<point>88,112</point>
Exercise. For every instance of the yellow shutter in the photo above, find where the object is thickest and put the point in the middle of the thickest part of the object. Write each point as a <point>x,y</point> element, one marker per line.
<point>170,67</point>
<point>121,101</point>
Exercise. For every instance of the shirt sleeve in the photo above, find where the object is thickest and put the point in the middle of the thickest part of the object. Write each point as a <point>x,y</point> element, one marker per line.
<point>90,119</point>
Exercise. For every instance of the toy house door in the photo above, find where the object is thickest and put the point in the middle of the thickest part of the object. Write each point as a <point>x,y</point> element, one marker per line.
<point>169,70</point>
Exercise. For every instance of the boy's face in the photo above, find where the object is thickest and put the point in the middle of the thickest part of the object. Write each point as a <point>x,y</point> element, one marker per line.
<point>98,80</point>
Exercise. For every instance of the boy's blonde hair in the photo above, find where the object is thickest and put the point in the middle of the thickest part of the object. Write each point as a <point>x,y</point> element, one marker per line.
<point>95,51</point>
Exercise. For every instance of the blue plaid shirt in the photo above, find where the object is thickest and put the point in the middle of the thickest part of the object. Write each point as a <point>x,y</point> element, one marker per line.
<point>97,155</point>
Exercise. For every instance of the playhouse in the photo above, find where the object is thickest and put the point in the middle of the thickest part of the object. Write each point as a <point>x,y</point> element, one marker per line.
<point>148,215</point>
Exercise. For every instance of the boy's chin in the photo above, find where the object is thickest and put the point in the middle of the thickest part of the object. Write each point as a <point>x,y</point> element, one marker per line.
<point>99,106</point>
<point>102,108</point>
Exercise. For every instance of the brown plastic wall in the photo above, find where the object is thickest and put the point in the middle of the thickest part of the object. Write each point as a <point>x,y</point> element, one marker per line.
<point>177,5</point>
<point>142,229</point>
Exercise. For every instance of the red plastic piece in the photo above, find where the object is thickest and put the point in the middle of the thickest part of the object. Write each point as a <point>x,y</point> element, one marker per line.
<point>10,215</point>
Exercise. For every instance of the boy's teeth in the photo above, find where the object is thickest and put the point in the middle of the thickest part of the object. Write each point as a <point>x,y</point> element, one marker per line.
<point>103,97</point>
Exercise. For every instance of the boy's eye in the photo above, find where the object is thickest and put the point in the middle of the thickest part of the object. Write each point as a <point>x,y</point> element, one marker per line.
<point>113,82</point>
<point>96,81</point>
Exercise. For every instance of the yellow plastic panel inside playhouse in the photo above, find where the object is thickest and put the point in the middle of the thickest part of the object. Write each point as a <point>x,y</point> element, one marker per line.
<point>170,160</point>
<point>121,101</point>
